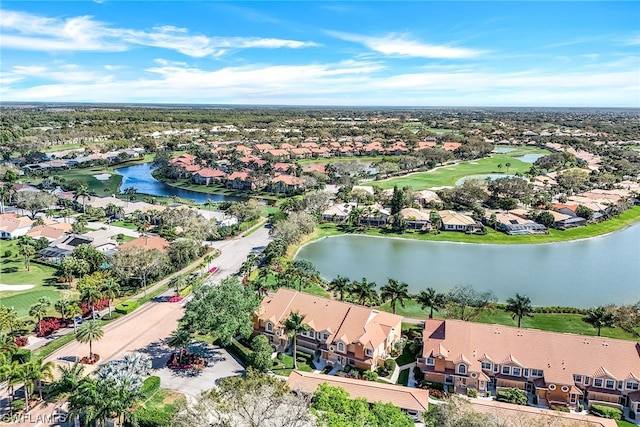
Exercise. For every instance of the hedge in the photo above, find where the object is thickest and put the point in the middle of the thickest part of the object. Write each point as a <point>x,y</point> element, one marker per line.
<point>150,386</point>
<point>606,412</point>
<point>127,306</point>
<point>240,350</point>
<point>153,417</point>
<point>186,291</point>
<point>21,356</point>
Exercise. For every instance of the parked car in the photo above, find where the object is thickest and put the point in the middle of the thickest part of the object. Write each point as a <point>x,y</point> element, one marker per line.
<point>213,270</point>
<point>78,320</point>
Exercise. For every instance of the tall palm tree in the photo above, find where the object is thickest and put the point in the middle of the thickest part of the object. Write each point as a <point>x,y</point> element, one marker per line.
<point>62,306</point>
<point>109,289</point>
<point>179,339</point>
<point>40,370</point>
<point>90,295</point>
<point>7,348</point>
<point>364,292</point>
<point>69,380</point>
<point>27,251</point>
<point>39,309</point>
<point>82,193</point>
<point>432,299</point>
<point>293,325</point>
<point>178,282</point>
<point>5,192</point>
<point>9,319</point>
<point>519,307</point>
<point>600,317</point>
<point>395,292</point>
<point>340,285</point>
<point>89,332</point>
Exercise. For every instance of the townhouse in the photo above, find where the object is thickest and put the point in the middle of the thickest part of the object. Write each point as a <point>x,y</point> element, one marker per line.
<point>559,369</point>
<point>339,333</point>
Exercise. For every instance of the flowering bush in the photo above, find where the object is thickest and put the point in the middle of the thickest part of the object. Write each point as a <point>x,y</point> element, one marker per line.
<point>90,361</point>
<point>20,341</point>
<point>48,325</point>
<point>100,305</point>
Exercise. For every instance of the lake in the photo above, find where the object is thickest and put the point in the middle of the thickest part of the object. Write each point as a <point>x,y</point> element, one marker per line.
<point>139,177</point>
<point>582,273</point>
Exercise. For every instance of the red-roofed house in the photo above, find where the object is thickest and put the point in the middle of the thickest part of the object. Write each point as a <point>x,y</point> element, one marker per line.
<point>208,176</point>
<point>451,146</point>
<point>240,181</point>
<point>284,184</point>
<point>147,242</point>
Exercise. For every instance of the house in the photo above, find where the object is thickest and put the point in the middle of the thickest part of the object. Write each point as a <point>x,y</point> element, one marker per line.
<point>416,218</point>
<point>240,181</point>
<point>564,221</point>
<point>513,224</point>
<point>285,184</point>
<point>207,176</point>
<point>12,225</point>
<point>451,146</point>
<point>414,401</point>
<point>427,197</point>
<point>558,368</point>
<point>339,334</point>
<point>338,213</point>
<point>65,245</point>
<point>456,221</point>
<point>147,242</point>
<point>48,232</point>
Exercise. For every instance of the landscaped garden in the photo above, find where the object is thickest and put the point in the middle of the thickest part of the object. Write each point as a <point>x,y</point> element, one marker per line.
<point>283,364</point>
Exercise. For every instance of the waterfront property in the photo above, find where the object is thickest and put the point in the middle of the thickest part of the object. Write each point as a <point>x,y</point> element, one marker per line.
<point>457,221</point>
<point>414,401</point>
<point>558,369</point>
<point>339,333</point>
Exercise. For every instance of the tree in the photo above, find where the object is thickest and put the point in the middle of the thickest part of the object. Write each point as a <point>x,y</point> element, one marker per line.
<point>69,379</point>
<point>39,309</point>
<point>465,302</point>
<point>519,306</point>
<point>340,285</point>
<point>82,193</point>
<point>27,251</point>
<point>40,370</point>
<point>131,192</point>
<point>224,311</point>
<point>5,194</point>
<point>293,325</point>
<point>179,339</point>
<point>584,212</point>
<point>63,306</point>
<point>260,358</point>
<point>397,200</point>
<point>34,201</point>
<point>508,165</point>
<point>71,266</point>
<point>95,258</point>
<point>89,332</point>
<point>110,289</point>
<point>9,319</point>
<point>255,400</point>
<point>600,317</point>
<point>364,292</point>
<point>90,294</point>
<point>136,262</point>
<point>98,399</point>
<point>432,299</point>
<point>182,252</point>
<point>395,292</point>
<point>177,283</point>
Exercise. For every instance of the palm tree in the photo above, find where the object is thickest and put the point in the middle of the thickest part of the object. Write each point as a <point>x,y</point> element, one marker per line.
<point>508,165</point>
<point>109,289</point>
<point>70,378</point>
<point>39,309</point>
<point>40,370</point>
<point>208,258</point>
<point>7,348</point>
<point>5,191</point>
<point>519,306</point>
<point>91,295</point>
<point>27,251</point>
<point>9,319</point>
<point>62,306</point>
<point>179,339</point>
<point>83,193</point>
<point>131,192</point>
<point>600,317</point>
<point>395,292</point>
<point>89,332</point>
<point>432,299</point>
<point>364,291</point>
<point>340,285</point>
<point>293,325</point>
<point>178,282</point>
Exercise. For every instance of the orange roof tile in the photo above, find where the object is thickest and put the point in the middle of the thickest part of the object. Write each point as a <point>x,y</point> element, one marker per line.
<point>147,242</point>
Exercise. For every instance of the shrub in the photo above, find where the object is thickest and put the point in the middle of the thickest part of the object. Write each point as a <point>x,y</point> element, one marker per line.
<point>280,356</point>
<point>150,386</point>
<point>434,386</point>
<point>21,341</point>
<point>22,356</point>
<point>632,415</point>
<point>8,254</point>
<point>560,408</point>
<point>606,412</point>
<point>153,417</point>
<point>186,291</point>
<point>347,369</point>
<point>580,407</point>
<point>417,373</point>
<point>369,376</point>
<point>127,307</point>
<point>18,405</point>
<point>472,392</point>
<point>48,325</point>
<point>240,350</point>
<point>512,395</point>
<point>488,393</point>
<point>390,365</point>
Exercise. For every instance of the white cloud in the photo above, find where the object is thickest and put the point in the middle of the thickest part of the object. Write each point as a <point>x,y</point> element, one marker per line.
<point>401,45</point>
<point>82,33</point>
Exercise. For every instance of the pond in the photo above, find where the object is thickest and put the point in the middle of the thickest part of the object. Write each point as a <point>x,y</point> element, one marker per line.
<point>582,273</point>
<point>530,158</point>
<point>503,150</point>
<point>140,178</point>
<point>482,177</point>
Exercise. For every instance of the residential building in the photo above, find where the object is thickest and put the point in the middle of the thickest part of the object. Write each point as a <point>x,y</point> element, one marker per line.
<point>456,221</point>
<point>513,224</point>
<point>339,334</point>
<point>417,219</point>
<point>414,401</point>
<point>285,184</point>
<point>147,242</point>
<point>208,176</point>
<point>65,245</point>
<point>12,225</point>
<point>46,231</point>
<point>241,181</point>
<point>558,368</point>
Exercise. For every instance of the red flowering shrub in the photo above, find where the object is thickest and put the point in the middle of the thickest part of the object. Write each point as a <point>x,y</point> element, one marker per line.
<point>100,305</point>
<point>48,325</point>
<point>90,361</point>
<point>20,341</point>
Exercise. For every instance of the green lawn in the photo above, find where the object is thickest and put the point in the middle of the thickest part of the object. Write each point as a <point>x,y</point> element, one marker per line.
<point>403,378</point>
<point>87,178</point>
<point>285,366</point>
<point>627,218</point>
<point>571,323</point>
<point>125,224</point>
<point>448,175</point>
<point>626,424</point>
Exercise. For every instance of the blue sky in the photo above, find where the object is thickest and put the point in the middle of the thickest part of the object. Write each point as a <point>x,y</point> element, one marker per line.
<point>417,53</point>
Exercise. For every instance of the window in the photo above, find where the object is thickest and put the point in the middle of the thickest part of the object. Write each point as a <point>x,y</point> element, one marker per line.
<point>620,385</point>
<point>326,336</point>
<point>632,385</point>
<point>552,387</point>
<point>431,361</point>
<point>496,368</point>
<point>270,327</point>
<point>565,388</point>
<point>462,369</point>
<point>368,352</point>
<point>486,366</point>
<point>587,380</point>
<point>597,382</point>
<point>537,372</point>
<point>516,372</point>
<point>526,373</point>
<point>341,347</point>
<point>448,379</point>
<point>577,379</point>
<point>610,384</point>
<point>506,370</point>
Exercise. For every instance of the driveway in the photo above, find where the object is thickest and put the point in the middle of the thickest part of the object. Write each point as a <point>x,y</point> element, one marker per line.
<point>220,364</point>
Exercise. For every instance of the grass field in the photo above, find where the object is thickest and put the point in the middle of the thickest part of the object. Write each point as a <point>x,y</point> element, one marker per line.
<point>12,272</point>
<point>571,323</point>
<point>448,175</point>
